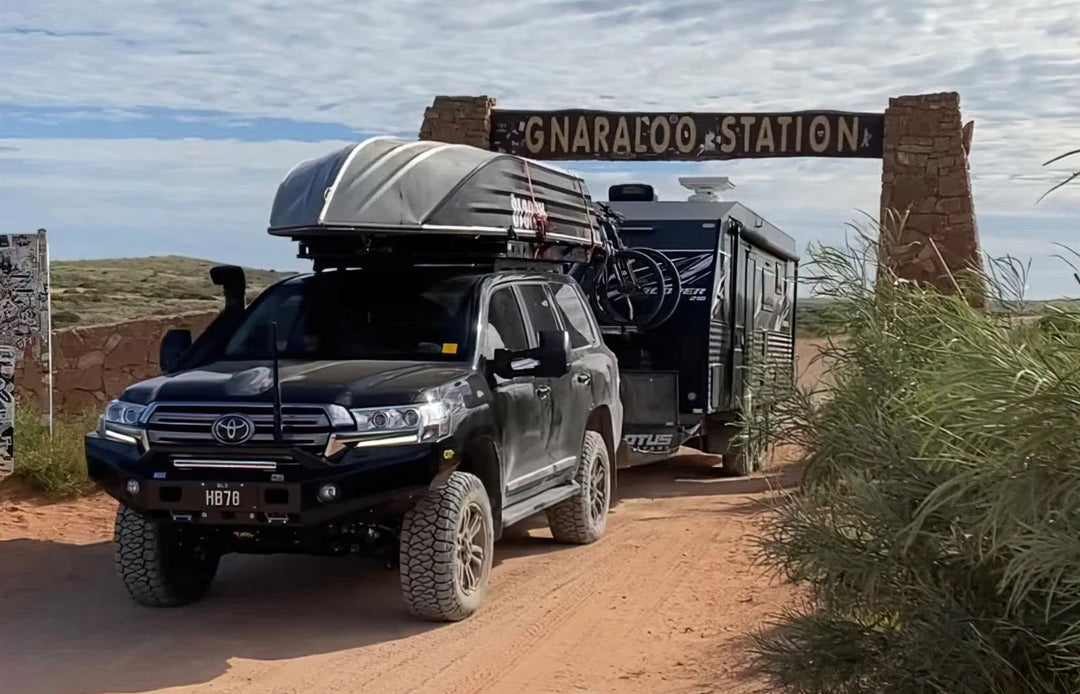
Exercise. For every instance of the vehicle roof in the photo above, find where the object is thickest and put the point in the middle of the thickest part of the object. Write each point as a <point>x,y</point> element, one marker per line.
<point>756,230</point>
<point>663,210</point>
<point>502,275</point>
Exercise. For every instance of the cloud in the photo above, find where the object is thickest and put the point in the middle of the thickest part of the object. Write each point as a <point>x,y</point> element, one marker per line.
<point>94,86</point>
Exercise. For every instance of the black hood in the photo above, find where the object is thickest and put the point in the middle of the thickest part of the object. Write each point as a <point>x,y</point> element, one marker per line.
<point>346,383</point>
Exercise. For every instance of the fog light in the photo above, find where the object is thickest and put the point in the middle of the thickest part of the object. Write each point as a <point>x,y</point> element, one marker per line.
<point>328,493</point>
<point>133,487</point>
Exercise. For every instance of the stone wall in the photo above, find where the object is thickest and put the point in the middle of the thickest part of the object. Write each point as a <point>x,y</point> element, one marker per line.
<point>925,175</point>
<point>93,364</point>
<point>462,120</point>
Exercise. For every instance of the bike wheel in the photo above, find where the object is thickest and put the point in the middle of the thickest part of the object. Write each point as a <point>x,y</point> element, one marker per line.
<point>672,286</point>
<point>630,290</point>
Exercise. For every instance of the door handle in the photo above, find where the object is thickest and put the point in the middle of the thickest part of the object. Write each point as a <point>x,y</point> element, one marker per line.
<point>583,379</point>
<point>542,392</point>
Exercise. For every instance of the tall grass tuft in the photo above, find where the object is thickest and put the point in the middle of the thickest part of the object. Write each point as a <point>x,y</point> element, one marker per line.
<point>56,464</point>
<point>937,530</point>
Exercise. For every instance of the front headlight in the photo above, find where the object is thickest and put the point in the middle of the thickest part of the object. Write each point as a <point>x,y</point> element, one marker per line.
<point>426,421</point>
<point>125,413</point>
<point>122,421</point>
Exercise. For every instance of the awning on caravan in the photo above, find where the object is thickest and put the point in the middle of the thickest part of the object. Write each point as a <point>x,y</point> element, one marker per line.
<point>386,184</point>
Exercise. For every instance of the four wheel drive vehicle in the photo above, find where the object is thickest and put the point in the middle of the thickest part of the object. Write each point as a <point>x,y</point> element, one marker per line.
<point>438,378</point>
<point>691,379</point>
<point>433,407</point>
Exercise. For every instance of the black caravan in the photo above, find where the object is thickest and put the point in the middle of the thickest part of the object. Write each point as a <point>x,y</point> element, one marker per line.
<point>689,377</point>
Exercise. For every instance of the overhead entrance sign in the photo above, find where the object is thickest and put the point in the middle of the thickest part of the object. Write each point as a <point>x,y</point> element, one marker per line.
<point>581,134</point>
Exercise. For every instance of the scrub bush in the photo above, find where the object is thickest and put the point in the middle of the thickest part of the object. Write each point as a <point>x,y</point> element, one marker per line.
<point>54,465</point>
<point>936,534</point>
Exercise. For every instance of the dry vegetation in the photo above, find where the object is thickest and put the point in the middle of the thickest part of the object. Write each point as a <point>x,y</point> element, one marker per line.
<point>90,292</point>
<point>935,533</point>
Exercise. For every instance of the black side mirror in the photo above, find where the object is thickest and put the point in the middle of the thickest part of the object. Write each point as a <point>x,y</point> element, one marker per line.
<point>554,353</point>
<point>232,281</point>
<point>173,347</point>
<point>551,359</point>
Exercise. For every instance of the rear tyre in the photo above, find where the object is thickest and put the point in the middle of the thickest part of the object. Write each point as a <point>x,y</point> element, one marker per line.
<point>160,565</point>
<point>581,519</point>
<point>447,542</point>
<point>722,437</point>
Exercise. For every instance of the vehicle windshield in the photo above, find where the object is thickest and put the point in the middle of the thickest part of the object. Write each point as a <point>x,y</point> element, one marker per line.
<point>352,314</point>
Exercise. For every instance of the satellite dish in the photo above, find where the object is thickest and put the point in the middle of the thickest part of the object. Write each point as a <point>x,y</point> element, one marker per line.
<point>706,188</point>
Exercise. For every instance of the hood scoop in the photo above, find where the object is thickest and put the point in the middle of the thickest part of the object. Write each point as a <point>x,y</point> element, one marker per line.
<point>253,381</point>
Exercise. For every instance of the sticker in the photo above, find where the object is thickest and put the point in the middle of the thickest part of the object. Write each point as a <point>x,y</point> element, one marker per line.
<point>449,348</point>
<point>7,409</point>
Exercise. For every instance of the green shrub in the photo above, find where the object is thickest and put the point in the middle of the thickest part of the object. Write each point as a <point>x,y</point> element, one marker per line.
<point>55,465</point>
<point>936,534</point>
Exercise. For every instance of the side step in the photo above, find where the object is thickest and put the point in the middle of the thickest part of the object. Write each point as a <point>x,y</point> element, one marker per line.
<point>515,512</point>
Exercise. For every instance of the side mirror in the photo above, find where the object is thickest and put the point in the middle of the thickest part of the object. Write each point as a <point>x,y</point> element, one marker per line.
<point>232,281</point>
<point>554,353</point>
<point>173,346</point>
<point>551,359</point>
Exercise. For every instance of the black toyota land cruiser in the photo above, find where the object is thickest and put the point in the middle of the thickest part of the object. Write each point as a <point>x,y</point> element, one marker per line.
<point>415,412</point>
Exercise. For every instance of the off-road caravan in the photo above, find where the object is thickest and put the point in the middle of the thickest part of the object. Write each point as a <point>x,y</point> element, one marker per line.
<point>687,380</point>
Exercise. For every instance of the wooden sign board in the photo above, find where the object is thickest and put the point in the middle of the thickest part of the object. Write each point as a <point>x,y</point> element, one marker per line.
<point>580,134</point>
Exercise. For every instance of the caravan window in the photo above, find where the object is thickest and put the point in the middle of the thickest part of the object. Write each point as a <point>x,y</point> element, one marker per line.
<point>768,297</point>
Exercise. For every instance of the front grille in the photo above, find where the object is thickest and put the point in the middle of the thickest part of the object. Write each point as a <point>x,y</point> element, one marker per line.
<point>188,423</point>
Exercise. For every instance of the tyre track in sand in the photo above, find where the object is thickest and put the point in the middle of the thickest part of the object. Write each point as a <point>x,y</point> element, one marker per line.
<point>661,603</point>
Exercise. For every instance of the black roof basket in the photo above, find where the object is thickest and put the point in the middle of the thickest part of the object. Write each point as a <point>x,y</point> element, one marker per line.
<point>422,202</point>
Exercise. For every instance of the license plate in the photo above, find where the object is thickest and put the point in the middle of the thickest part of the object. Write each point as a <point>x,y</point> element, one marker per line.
<point>226,497</point>
<point>223,498</point>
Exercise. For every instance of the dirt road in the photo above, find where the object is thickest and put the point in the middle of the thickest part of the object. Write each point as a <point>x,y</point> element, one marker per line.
<point>661,604</point>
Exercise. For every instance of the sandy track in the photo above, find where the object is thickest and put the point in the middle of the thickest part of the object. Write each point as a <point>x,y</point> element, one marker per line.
<point>661,604</point>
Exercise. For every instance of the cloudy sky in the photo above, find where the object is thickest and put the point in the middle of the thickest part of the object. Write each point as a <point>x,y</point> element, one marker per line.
<point>138,127</point>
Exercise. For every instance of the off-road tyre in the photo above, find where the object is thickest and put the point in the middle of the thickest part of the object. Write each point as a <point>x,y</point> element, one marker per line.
<point>438,582</point>
<point>581,519</point>
<point>159,566</point>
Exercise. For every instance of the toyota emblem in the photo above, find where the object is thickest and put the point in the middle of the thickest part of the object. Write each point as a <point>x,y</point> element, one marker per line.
<point>233,429</point>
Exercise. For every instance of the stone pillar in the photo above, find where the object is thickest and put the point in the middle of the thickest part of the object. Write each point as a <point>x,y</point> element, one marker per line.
<point>464,120</point>
<point>925,175</point>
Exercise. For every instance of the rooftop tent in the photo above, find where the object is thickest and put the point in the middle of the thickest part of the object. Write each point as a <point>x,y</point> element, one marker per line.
<point>388,185</point>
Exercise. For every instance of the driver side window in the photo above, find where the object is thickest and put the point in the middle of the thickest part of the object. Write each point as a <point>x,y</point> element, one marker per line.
<point>504,329</point>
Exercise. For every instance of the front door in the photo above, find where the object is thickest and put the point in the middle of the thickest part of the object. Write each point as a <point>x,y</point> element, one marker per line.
<point>523,416</point>
<point>567,393</point>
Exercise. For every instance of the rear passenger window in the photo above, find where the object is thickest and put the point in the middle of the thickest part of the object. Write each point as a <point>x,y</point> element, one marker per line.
<point>575,315</point>
<point>538,307</point>
<point>504,329</point>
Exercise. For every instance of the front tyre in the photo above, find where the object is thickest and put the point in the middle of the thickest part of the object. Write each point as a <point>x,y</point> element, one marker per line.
<point>447,542</point>
<point>159,565</point>
<point>581,519</point>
